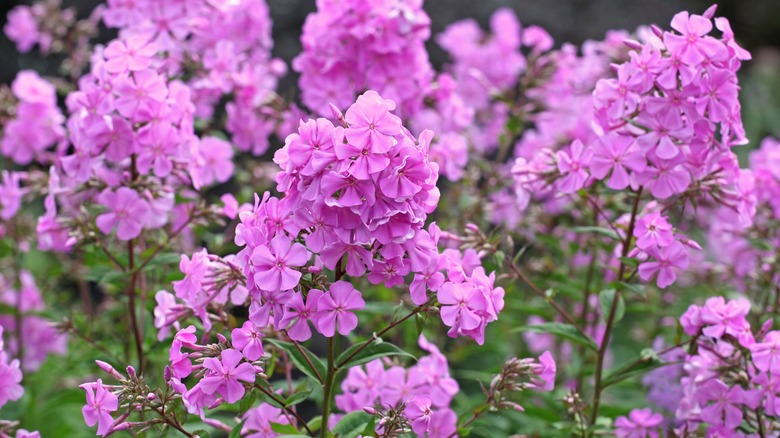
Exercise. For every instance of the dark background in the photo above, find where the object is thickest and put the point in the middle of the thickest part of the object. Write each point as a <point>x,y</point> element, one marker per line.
<point>755,22</point>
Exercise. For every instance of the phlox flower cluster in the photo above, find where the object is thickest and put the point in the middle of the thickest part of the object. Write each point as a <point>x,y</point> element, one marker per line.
<point>37,124</point>
<point>39,337</point>
<point>731,373</point>
<point>744,250</point>
<point>133,144</point>
<point>10,375</point>
<point>663,127</point>
<point>423,392</point>
<point>356,198</point>
<point>561,110</point>
<point>352,46</point>
<point>224,47</point>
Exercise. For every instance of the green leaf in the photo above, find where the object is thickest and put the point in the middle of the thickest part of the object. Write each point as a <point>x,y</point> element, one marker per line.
<point>352,424</point>
<point>315,423</point>
<point>635,288</point>
<point>236,431</point>
<point>298,397</point>
<point>201,434</point>
<point>300,361</point>
<point>648,361</point>
<point>247,401</point>
<point>284,428</point>
<point>375,350</point>
<point>606,300</point>
<point>606,232</point>
<point>566,331</point>
<point>420,320</point>
<point>629,261</point>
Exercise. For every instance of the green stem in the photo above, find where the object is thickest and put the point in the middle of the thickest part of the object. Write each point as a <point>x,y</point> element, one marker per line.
<point>327,388</point>
<point>597,388</point>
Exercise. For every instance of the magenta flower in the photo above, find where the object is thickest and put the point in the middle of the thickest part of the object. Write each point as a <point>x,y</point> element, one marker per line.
<point>667,259</point>
<point>427,279</point>
<point>336,309</point>
<point>615,153</point>
<point>359,161</point>
<point>10,377</point>
<point>194,271</point>
<point>461,304</point>
<point>725,409</point>
<point>133,54</point>
<point>100,403</point>
<point>22,28</point>
<point>667,177</point>
<point>419,413</point>
<point>274,266</point>
<point>546,369</point>
<point>371,125</point>
<point>127,211</point>
<point>158,144</point>
<point>653,230</point>
<point>664,129</point>
<point>247,339</point>
<point>720,317</point>
<point>272,304</point>
<point>693,46</point>
<point>297,315</point>
<point>572,167</point>
<point>223,375</point>
<point>140,94</point>
<point>640,423</point>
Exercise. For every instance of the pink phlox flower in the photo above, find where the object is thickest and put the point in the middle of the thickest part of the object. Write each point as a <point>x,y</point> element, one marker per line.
<point>100,403</point>
<point>127,211</point>
<point>667,259</point>
<point>572,167</point>
<point>298,313</point>
<point>274,265</point>
<point>223,375</point>
<point>132,54</point>
<point>247,339</point>
<point>335,309</point>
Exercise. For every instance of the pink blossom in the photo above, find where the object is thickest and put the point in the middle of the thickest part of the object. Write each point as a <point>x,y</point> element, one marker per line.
<point>461,304</point>
<point>667,260</point>
<point>223,375</point>
<point>274,265</point>
<point>297,315</point>
<point>247,339</point>
<point>572,166</point>
<point>126,211</point>
<point>640,423</point>
<point>653,230</point>
<point>419,412</point>
<point>616,153</point>
<point>336,309</point>
<point>133,54</point>
<point>100,403</point>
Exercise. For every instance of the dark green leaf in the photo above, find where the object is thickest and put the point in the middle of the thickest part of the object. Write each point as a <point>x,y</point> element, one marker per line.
<point>648,361</point>
<point>300,361</point>
<point>236,432</point>
<point>606,232</point>
<point>352,424</point>
<point>606,301</point>
<point>635,288</point>
<point>566,331</point>
<point>375,350</point>
<point>247,401</point>
<point>297,398</point>
<point>284,428</point>
<point>315,423</point>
